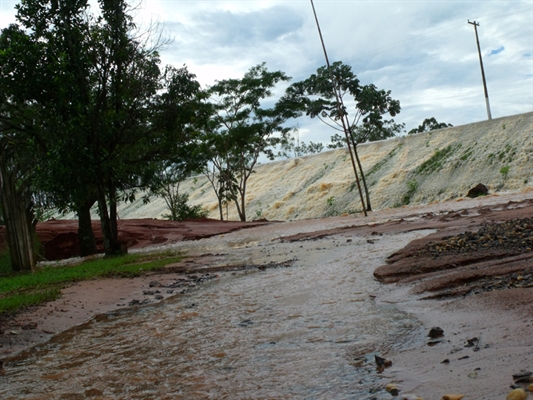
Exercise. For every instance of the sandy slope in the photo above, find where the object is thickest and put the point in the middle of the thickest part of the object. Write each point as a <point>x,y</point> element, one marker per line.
<point>436,166</point>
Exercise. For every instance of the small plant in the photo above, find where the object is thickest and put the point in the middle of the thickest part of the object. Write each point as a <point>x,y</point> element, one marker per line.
<point>505,171</point>
<point>180,209</point>
<point>435,163</point>
<point>412,187</point>
<point>383,161</point>
<point>259,211</point>
<point>330,207</point>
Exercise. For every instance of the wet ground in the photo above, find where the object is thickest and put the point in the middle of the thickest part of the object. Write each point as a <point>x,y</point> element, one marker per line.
<point>302,307</point>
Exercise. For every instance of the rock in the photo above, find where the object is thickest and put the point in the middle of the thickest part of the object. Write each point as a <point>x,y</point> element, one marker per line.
<point>453,396</point>
<point>478,190</point>
<point>516,394</point>
<point>524,376</point>
<point>392,389</point>
<point>154,284</point>
<point>472,375</point>
<point>530,388</point>
<point>436,332</point>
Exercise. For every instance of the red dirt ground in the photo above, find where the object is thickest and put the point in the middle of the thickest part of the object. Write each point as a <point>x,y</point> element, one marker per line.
<point>59,238</point>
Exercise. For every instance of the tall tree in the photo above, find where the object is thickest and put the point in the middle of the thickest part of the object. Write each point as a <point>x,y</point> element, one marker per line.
<point>364,105</point>
<point>109,112</point>
<point>244,130</point>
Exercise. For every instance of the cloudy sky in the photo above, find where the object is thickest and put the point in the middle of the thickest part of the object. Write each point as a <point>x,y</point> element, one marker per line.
<point>424,51</point>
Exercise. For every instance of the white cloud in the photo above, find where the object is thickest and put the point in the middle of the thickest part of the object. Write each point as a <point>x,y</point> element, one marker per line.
<point>423,51</point>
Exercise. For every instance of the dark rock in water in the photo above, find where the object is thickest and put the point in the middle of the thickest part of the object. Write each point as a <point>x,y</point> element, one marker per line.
<point>154,284</point>
<point>436,332</point>
<point>246,323</point>
<point>159,297</point>
<point>382,363</point>
<point>474,342</point>
<point>478,190</point>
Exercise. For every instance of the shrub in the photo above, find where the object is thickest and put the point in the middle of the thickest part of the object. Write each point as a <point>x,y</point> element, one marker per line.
<point>181,210</point>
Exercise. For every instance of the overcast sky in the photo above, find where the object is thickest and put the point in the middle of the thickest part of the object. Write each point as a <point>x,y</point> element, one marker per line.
<point>424,51</point>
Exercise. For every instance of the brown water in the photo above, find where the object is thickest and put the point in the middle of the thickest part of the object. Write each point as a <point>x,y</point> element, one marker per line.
<point>275,334</point>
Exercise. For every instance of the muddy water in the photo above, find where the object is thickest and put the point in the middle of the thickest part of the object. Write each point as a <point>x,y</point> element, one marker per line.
<point>279,333</point>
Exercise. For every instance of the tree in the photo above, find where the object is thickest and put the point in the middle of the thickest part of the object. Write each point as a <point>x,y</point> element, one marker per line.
<point>242,131</point>
<point>367,133</point>
<point>292,147</point>
<point>108,115</point>
<point>17,207</point>
<point>364,105</point>
<point>429,124</point>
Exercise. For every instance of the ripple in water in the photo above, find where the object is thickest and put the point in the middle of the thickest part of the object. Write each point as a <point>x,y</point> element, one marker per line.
<point>276,334</point>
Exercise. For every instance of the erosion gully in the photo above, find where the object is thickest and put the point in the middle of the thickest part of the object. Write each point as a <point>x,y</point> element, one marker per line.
<point>308,331</point>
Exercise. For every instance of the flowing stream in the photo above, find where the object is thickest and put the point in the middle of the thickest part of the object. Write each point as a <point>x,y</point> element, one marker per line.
<point>279,333</point>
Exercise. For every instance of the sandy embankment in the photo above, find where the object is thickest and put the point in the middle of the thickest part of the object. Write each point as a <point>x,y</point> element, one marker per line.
<point>502,320</point>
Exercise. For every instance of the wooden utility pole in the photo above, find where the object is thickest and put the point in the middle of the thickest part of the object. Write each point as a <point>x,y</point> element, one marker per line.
<point>476,24</point>
<point>340,108</point>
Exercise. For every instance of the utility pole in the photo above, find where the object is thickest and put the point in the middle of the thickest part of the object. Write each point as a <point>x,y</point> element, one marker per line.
<point>476,24</point>
<point>340,108</point>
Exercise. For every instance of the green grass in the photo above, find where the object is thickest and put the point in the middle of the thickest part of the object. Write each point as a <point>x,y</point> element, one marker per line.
<point>5,262</point>
<point>17,291</point>
<point>437,160</point>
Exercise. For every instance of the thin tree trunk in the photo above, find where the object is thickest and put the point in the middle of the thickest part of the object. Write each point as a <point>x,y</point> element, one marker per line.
<point>111,245</point>
<point>368,205</point>
<point>17,216</point>
<point>86,237</point>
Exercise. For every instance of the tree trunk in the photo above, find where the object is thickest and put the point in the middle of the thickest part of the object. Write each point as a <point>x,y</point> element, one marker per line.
<point>17,216</point>
<point>86,237</point>
<point>110,237</point>
<point>367,194</point>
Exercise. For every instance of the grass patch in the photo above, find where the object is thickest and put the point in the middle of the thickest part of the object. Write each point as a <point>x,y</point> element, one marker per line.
<point>412,187</point>
<point>21,290</point>
<point>376,167</point>
<point>5,262</point>
<point>435,163</point>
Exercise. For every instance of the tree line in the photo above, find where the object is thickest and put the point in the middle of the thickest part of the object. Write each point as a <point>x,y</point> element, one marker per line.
<point>89,116</point>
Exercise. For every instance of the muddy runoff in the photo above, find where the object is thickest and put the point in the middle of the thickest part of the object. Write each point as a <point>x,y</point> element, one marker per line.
<point>306,328</point>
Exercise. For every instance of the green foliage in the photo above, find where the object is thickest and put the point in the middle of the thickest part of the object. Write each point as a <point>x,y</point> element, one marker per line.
<point>242,130</point>
<point>5,262</point>
<point>292,147</point>
<point>98,112</point>
<point>181,210</point>
<point>17,291</point>
<point>505,171</point>
<point>428,125</point>
<point>376,167</point>
<point>331,210</point>
<point>467,154</point>
<point>412,187</point>
<point>18,301</point>
<point>436,162</point>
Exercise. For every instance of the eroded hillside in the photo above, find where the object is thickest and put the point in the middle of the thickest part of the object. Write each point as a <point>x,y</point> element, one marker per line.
<point>418,169</point>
